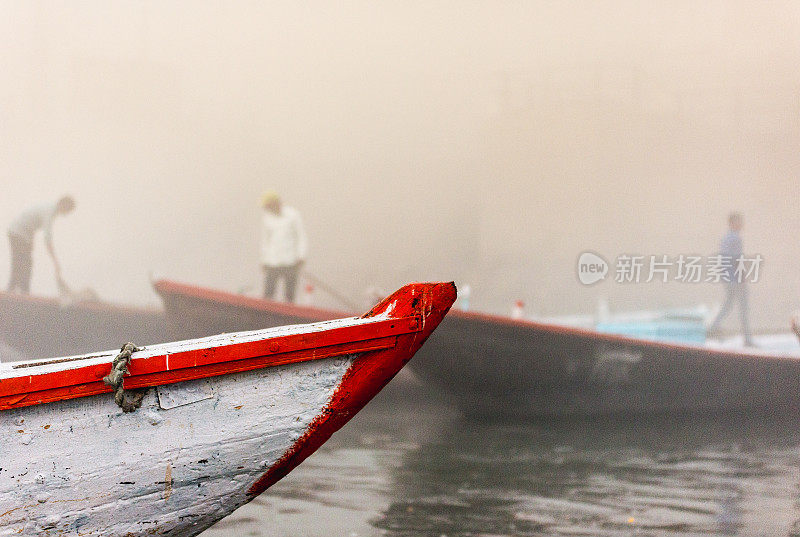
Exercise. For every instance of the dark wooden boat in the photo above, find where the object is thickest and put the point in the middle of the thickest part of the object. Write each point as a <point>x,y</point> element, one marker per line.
<point>495,366</point>
<point>193,311</point>
<point>46,327</point>
<point>499,367</point>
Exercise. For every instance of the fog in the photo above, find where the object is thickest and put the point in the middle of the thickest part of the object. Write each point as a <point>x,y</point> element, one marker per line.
<point>484,142</point>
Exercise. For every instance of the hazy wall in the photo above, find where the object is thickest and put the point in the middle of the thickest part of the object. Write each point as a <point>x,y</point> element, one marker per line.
<point>486,142</point>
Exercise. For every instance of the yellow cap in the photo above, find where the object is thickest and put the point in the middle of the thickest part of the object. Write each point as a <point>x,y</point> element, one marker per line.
<point>268,197</point>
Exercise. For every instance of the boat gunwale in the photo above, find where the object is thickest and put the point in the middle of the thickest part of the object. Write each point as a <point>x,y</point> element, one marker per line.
<point>175,288</point>
<point>587,333</point>
<point>182,363</point>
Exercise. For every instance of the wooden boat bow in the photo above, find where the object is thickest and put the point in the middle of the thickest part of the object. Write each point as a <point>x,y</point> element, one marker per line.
<point>401,314</point>
<point>222,419</point>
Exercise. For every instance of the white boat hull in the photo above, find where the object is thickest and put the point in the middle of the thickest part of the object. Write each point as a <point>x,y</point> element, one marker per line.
<point>222,419</point>
<point>156,471</point>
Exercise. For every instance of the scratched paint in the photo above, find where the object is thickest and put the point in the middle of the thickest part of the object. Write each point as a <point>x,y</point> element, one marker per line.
<point>82,467</point>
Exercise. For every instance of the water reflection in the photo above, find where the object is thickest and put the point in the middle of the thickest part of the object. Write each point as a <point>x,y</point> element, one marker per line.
<point>726,476</point>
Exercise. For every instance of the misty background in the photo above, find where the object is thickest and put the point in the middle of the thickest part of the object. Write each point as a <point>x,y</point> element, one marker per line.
<point>485,142</point>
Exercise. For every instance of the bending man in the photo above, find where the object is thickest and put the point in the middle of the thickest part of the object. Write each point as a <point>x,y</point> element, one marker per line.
<point>21,233</point>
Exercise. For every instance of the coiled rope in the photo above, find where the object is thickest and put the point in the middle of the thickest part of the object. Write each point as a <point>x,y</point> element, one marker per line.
<point>127,400</point>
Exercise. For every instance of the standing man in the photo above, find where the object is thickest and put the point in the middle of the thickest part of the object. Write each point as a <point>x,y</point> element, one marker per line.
<point>736,291</point>
<point>283,245</point>
<point>21,233</point>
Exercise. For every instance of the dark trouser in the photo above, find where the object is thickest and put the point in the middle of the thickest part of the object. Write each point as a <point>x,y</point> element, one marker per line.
<point>21,263</point>
<point>289,276</point>
<point>735,292</point>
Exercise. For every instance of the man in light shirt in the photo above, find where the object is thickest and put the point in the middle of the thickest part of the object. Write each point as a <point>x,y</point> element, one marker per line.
<point>21,233</point>
<point>283,246</point>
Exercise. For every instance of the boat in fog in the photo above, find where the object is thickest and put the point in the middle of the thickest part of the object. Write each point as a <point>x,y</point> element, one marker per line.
<point>195,428</point>
<point>494,366</point>
<point>193,310</point>
<point>45,327</point>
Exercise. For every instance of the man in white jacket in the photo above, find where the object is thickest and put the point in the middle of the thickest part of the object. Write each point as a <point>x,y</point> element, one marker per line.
<point>283,245</point>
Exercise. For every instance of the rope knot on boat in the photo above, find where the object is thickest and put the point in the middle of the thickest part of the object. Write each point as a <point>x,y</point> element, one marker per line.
<point>127,400</point>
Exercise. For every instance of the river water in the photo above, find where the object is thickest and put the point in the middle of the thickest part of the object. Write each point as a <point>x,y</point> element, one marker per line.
<point>407,469</point>
<point>410,465</point>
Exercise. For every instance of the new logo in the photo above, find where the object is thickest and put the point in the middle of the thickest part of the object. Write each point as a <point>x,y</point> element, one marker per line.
<point>592,268</point>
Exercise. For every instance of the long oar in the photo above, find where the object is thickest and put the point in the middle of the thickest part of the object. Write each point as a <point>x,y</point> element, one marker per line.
<point>331,291</point>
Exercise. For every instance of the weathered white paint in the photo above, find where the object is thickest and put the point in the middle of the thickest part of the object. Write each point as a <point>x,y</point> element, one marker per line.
<point>82,467</point>
<point>184,393</point>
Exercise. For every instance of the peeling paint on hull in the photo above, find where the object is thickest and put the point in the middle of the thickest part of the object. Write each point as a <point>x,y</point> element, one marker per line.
<point>97,471</point>
<point>79,466</point>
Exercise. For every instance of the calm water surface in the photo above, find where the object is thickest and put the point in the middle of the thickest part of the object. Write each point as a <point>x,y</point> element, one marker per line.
<point>402,471</point>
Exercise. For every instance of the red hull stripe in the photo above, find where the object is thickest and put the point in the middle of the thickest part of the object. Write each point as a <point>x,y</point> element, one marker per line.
<point>205,371</point>
<point>206,362</point>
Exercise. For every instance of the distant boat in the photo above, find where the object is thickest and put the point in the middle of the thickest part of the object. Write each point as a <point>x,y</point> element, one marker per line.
<point>221,419</point>
<point>500,367</point>
<point>193,311</point>
<point>47,327</point>
<point>496,366</point>
<point>677,325</point>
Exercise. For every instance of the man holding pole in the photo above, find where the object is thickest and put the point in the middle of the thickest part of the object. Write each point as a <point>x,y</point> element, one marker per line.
<point>283,245</point>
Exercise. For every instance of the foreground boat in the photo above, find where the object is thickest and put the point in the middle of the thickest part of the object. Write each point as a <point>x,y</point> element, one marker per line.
<point>499,367</point>
<point>221,419</point>
<point>46,327</point>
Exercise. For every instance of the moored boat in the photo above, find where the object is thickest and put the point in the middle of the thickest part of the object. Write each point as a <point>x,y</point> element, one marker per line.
<point>47,327</point>
<point>501,367</point>
<point>221,418</point>
<point>193,311</point>
<point>495,366</point>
